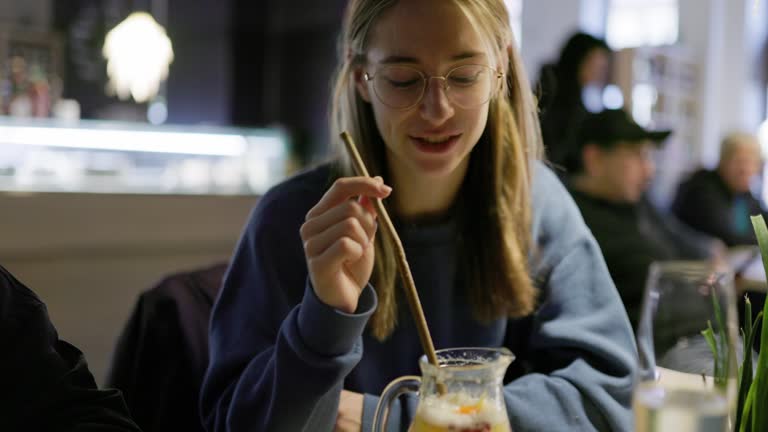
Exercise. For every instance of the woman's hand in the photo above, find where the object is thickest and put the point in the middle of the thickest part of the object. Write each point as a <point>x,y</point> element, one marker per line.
<point>350,418</point>
<point>338,236</point>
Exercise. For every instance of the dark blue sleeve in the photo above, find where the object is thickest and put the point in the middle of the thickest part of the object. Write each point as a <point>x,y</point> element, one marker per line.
<point>278,357</point>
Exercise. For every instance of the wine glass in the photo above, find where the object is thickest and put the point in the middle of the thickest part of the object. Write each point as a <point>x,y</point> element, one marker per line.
<point>686,340</point>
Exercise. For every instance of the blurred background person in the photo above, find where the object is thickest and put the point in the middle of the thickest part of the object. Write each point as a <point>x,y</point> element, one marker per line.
<point>46,384</point>
<point>583,66</point>
<point>720,201</point>
<point>614,171</point>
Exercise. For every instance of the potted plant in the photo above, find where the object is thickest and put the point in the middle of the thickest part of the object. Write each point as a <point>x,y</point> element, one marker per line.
<point>752,402</point>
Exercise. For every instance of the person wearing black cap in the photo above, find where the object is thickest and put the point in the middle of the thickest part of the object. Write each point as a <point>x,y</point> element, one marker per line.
<point>45,384</point>
<point>608,184</point>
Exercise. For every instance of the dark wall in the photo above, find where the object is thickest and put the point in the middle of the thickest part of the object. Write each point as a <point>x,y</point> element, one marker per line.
<point>242,62</point>
<point>284,56</point>
<point>199,88</point>
<point>83,25</point>
<point>249,43</point>
<point>199,85</point>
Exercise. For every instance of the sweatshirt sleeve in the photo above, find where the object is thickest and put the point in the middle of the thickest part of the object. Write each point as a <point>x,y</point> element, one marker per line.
<point>581,351</point>
<point>278,357</point>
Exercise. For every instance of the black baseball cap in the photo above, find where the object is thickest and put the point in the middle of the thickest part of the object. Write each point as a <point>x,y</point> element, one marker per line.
<point>612,126</point>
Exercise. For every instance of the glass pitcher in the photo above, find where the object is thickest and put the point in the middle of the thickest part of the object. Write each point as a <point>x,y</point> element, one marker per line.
<point>464,394</point>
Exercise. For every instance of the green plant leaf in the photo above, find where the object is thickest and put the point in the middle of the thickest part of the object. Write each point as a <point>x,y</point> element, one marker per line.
<point>709,336</point>
<point>760,382</point>
<point>721,337</point>
<point>746,419</point>
<point>745,370</point>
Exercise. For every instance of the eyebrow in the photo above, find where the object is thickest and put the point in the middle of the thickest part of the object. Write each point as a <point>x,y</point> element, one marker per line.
<point>413,60</point>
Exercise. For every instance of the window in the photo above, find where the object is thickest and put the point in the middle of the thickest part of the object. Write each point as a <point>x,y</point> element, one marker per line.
<point>515,9</point>
<point>634,23</point>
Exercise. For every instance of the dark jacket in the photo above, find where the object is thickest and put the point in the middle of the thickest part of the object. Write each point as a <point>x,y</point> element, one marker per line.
<point>162,354</point>
<point>705,203</point>
<point>632,237</point>
<point>45,383</point>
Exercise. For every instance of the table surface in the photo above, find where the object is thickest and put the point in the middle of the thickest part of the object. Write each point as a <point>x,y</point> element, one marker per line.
<point>680,380</point>
<point>752,274</point>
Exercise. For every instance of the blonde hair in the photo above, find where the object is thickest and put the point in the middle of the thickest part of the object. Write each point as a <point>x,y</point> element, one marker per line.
<point>735,140</point>
<point>495,217</point>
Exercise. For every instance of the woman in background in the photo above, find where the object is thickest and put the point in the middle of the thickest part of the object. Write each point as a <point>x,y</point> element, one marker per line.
<point>563,87</point>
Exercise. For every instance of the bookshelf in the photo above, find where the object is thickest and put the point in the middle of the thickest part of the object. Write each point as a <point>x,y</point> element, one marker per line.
<point>661,88</point>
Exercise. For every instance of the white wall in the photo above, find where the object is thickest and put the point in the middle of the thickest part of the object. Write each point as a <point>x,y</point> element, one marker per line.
<point>756,44</point>
<point>547,24</point>
<point>702,29</point>
<point>728,35</point>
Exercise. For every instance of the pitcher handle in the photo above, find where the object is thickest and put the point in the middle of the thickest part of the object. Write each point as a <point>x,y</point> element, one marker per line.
<point>402,385</point>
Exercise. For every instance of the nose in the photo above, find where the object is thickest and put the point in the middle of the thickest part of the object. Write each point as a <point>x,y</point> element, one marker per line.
<point>435,106</point>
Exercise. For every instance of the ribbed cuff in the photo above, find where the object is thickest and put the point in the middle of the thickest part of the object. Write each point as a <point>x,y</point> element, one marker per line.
<point>331,332</point>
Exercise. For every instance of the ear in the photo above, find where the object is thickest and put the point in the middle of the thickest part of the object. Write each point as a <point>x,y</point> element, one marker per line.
<point>591,159</point>
<point>361,84</point>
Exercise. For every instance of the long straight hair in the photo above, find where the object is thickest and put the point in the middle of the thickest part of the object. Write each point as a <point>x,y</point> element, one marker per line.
<point>495,216</point>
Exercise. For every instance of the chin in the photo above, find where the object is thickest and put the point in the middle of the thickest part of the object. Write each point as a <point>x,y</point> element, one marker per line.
<point>436,166</point>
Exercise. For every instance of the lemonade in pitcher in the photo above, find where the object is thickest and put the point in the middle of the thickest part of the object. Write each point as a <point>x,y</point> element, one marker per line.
<point>458,413</point>
<point>464,394</point>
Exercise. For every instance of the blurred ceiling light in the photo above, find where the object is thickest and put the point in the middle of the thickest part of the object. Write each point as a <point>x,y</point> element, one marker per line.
<point>138,54</point>
<point>612,97</point>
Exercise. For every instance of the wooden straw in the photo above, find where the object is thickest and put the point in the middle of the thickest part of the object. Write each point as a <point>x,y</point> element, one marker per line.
<point>402,263</point>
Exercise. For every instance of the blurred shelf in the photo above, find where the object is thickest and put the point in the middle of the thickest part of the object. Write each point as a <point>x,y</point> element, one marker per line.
<point>43,155</point>
<point>660,86</point>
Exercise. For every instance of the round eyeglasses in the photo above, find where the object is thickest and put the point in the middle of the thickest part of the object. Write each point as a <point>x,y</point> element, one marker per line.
<point>466,86</point>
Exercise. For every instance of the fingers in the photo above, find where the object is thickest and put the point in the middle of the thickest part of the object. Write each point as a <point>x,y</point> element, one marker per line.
<point>350,415</point>
<point>340,251</point>
<point>349,227</point>
<point>367,204</point>
<point>353,220</point>
<point>348,187</point>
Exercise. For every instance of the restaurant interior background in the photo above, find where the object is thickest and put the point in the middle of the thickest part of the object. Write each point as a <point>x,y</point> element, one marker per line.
<point>102,196</point>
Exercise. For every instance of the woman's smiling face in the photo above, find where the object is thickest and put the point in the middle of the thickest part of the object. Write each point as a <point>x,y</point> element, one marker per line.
<point>435,136</point>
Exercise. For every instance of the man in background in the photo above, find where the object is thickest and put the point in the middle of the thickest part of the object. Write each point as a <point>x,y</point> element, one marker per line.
<point>719,202</point>
<point>609,184</point>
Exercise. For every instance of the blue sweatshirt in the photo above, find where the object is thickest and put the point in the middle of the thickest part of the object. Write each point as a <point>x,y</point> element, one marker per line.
<point>280,357</point>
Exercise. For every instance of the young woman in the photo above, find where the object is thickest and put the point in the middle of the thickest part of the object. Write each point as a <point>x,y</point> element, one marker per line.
<point>310,325</point>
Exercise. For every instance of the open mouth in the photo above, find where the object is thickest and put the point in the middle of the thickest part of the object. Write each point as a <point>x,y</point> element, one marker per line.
<point>435,144</point>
